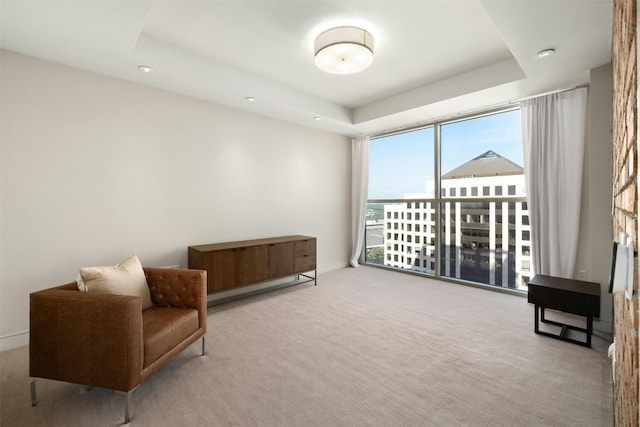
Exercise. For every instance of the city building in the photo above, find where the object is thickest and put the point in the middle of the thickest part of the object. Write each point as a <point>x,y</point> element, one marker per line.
<point>485,225</point>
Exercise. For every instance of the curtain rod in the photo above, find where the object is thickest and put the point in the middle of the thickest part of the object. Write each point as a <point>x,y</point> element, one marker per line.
<point>550,93</point>
<point>467,114</point>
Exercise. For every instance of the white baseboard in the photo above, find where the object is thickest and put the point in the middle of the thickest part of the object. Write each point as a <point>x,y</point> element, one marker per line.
<point>603,326</point>
<point>15,340</point>
<point>247,290</point>
<point>331,267</point>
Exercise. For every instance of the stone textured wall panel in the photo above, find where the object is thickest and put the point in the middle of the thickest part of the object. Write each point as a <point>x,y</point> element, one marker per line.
<point>625,202</point>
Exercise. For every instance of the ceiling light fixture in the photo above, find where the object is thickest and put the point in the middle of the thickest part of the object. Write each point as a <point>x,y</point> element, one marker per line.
<point>545,53</point>
<point>316,118</point>
<point>249,99</point>
<point>145,68</point>
<point>344,50</point>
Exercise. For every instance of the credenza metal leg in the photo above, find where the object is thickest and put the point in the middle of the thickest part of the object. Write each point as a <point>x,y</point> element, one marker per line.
<point>34,398</point>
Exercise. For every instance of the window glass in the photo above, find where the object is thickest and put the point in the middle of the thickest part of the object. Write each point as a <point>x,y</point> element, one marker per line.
<point>476,238</point>
<point>484,154</point>
<point>463,141</point>
<point>401,164</point>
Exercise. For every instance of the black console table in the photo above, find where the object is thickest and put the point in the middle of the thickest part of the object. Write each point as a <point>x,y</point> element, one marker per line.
<point>568,295</point>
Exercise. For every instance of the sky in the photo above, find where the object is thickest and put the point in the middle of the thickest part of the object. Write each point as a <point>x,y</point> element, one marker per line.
<point>403,163</point>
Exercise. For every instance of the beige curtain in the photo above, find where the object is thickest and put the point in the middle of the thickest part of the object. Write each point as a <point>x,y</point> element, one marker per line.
<point>359,187</point>
<point>553,140</point>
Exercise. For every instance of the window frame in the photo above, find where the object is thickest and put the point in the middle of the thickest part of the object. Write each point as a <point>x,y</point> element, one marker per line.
<point>439,199</point>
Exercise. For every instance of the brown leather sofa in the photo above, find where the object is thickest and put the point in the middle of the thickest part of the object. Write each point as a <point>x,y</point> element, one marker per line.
<point>106,340</point>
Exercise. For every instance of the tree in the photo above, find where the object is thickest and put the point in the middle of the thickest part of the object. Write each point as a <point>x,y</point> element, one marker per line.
<point>376,255</point>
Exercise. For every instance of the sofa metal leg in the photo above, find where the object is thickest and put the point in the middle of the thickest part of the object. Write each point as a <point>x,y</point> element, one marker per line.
<point>34,398</point>
<point>127,408</point>
<point>203,346</point>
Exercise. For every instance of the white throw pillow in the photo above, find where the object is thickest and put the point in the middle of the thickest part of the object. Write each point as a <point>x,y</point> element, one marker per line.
<point>126,278</point>
<point>81,286</point>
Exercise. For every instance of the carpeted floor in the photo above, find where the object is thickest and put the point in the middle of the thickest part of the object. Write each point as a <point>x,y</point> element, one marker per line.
<point>366,347</point>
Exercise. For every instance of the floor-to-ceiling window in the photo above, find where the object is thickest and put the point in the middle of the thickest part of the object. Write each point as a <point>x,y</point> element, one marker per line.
<point>453,191</point>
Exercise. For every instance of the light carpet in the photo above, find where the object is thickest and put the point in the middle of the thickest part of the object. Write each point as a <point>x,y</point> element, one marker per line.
<point>366,347</point>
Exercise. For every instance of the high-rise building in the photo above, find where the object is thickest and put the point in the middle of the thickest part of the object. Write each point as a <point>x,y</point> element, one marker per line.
<point>485,232</point>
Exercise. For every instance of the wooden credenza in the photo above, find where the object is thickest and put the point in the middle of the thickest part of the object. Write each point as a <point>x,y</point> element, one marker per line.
<point>231,265</point>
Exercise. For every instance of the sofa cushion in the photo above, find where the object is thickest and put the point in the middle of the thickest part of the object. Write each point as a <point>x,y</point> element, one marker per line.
<point>164,328</point>
<point>126,278</point>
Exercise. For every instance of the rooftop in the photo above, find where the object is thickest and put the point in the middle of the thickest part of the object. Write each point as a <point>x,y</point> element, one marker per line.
<point>489,163</point>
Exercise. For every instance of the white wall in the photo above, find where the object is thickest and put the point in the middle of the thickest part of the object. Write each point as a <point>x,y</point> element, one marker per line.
<point>95,169</point>
<point>594,254</point>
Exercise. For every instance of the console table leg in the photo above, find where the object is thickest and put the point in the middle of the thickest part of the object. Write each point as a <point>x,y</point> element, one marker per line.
<point>34,397</point>
<point>535,327</point>
<point>589,330</point>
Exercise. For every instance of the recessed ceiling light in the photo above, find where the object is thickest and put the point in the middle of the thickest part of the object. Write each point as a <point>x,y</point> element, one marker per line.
<point>316,118</point>
<point>249,99</point>
<point>545,53</point>
<point>145,68</point>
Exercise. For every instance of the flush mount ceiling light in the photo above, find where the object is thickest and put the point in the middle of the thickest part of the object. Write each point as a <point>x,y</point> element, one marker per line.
<point>145,68</point>
<point>545,53</point>
<point>344,50</point>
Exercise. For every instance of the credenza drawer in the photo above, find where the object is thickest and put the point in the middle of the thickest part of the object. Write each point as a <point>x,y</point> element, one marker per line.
<point>305,248</point>
<point>305,263</point>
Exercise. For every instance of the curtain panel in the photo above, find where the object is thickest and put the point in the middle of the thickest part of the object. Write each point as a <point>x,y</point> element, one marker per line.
<point>359,188</point>
<point>553,140</point>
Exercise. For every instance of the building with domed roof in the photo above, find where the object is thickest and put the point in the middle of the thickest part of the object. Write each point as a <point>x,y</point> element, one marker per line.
<point>485,235</point>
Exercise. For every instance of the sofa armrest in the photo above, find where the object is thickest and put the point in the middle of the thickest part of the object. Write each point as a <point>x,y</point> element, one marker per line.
<point>179,288</point>
<point>86,338</point>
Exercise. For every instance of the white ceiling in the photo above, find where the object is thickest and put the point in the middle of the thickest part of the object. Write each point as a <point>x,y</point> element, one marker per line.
<point>433,58</point>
